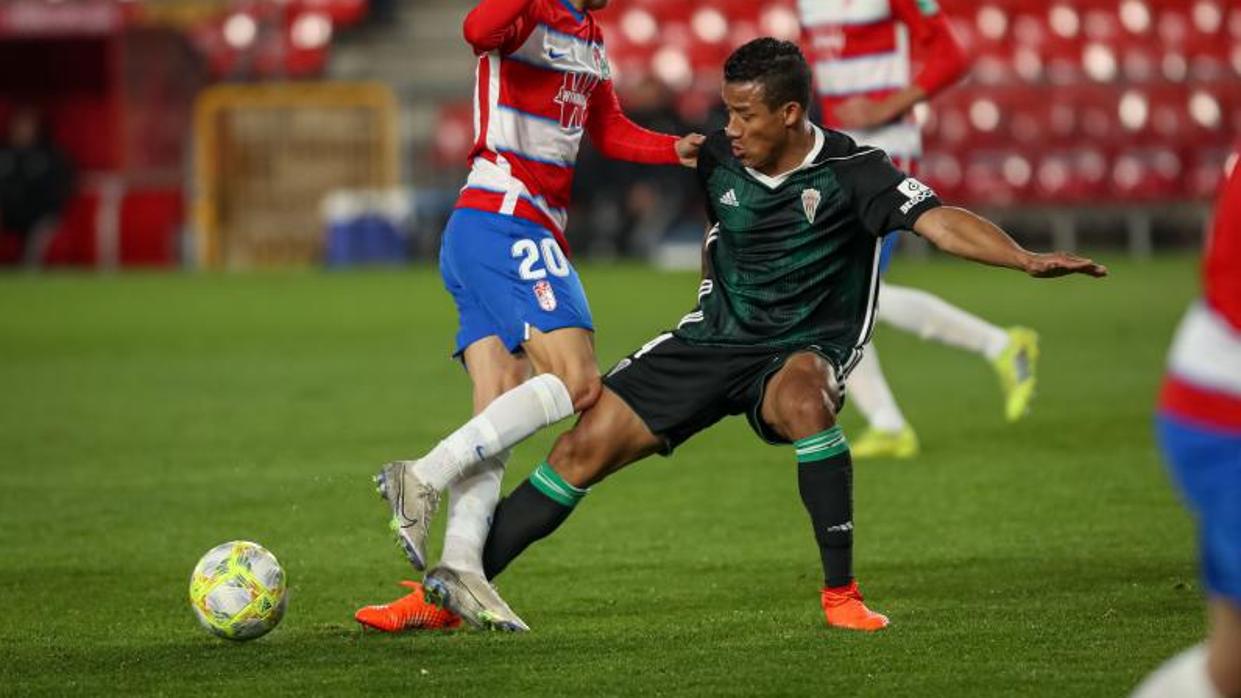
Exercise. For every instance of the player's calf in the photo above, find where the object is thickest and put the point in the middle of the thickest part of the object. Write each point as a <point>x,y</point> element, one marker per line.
<point>608,437</point>
<point>530,513</point>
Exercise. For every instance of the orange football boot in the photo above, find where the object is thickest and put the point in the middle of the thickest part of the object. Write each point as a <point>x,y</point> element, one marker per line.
<point>410,612</point>
<point>843,608</point>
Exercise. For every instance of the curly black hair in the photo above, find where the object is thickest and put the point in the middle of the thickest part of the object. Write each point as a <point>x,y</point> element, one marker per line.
<point>778,65</point>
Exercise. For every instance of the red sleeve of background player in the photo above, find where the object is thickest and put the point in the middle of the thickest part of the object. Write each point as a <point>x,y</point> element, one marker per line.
<point>1222,266</point>
<point>945,59</point>
<point>617,137</point>
<point>493,23</point>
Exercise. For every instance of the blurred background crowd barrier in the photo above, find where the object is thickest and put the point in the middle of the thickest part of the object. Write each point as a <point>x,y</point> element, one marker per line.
<point>253,133</point>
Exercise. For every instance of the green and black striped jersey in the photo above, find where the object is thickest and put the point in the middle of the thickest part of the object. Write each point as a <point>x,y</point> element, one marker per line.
<point>793,260</point>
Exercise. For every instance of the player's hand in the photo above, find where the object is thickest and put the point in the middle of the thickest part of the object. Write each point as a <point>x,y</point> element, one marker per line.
<point>688,147</point>
<point>862,113</point>
<point>1053,264</point>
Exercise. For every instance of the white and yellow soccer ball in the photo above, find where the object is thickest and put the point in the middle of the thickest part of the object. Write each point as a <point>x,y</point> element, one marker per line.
<point>238,590</point>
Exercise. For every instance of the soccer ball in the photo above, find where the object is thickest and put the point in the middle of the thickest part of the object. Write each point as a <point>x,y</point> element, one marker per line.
<point>238,590</point>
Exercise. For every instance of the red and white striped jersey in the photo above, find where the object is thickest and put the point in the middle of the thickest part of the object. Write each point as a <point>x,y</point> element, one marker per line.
<point>1204,364</point>
<point>863,48</point>
<point>542,79</point>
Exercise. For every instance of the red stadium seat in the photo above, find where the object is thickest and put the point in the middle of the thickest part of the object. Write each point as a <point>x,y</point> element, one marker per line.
<point>1068,100</point>
<point>1205,172</point>
<point>943,172</point>
<point>1147,174</point>
<point>998,176</point>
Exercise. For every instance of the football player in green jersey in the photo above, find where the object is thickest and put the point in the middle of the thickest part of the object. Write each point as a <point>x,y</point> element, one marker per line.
<point>785,307</point>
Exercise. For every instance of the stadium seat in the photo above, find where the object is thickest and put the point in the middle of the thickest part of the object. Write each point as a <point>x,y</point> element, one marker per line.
<point>1147,173</point>
<point>1067,101</point>
<point>1205,172</point>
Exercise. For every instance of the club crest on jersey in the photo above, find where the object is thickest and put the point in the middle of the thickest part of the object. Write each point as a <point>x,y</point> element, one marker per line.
<point>545,295</point>
<point>810,199</point>
<point>573,98</point>
<point>601,62</point>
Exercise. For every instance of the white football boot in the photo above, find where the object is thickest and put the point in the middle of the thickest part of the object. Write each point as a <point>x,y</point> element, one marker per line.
<point>472,597</point>
<point>413,504</point>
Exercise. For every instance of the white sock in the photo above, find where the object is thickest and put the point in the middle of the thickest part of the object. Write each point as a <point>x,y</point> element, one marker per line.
<point>868,389</point>
<point>931,317</point>
<point>1183,676</point>
<point>472,501</point>
<point>506,422</point>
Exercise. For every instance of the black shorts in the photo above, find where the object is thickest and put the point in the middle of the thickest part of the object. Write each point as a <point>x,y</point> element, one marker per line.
<point>678,389</point>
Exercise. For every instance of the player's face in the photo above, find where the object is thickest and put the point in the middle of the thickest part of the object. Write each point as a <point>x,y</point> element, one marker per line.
<point>759,134</point>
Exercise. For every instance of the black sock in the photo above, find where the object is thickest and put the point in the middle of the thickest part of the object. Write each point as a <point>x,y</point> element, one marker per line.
<point>529,513</point>
<point>825,480</point>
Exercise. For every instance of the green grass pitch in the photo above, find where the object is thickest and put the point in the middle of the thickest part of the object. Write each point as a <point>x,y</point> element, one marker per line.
<point>145,418</point>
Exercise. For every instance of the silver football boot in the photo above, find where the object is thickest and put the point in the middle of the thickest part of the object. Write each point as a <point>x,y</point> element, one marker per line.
<point>472,597</point>
<point>413,505</point>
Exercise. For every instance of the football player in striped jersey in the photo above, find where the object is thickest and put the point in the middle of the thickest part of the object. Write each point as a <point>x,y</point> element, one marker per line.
<point>1199,428</point>
<point>542,82</point>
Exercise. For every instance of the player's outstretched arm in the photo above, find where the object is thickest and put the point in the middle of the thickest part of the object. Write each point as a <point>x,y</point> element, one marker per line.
<point>969,236</point>
<point>621,139</point>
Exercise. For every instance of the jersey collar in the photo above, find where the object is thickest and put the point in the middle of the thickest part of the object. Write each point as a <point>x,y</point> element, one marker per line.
<point>771,182</point>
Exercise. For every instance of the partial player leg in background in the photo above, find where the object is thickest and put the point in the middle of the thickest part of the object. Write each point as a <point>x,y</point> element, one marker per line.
<point>1206,464</point>
<point>1013,353</point>
<point>888,434</point>
<point>799,405</point>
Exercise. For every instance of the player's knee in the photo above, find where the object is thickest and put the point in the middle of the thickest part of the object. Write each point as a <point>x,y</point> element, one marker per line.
<point>584,386</point>
<point>805,410</point>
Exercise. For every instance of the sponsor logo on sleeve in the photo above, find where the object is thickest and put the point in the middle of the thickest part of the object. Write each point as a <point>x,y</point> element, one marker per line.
<point>916,192</point>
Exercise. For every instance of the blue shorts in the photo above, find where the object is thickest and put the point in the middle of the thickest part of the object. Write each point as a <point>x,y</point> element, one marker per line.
<point>889,247</point>
<point>506,275</point>
<point>1206,464</point>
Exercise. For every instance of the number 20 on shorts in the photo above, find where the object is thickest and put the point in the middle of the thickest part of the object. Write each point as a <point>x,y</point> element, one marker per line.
<point>530,252</point>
